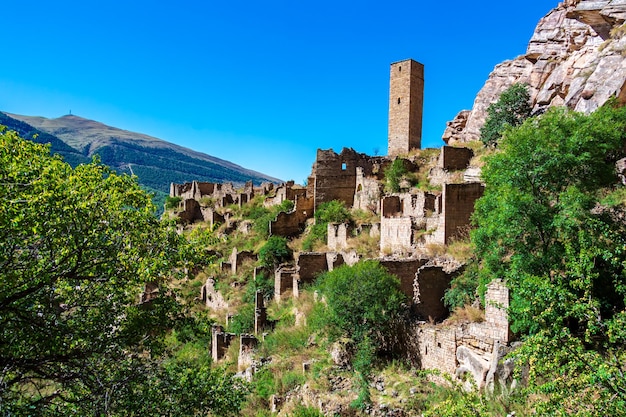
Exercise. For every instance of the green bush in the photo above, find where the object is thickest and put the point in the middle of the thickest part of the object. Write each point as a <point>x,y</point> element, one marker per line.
<point>330,212</point>
<point>172,202</point>
<point>243,321</point>
<point>274,252</point>
<point>511,109</point>
<point>362,300</point>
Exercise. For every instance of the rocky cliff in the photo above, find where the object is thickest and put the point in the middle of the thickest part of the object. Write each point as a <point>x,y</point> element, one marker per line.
<point>576,57</point>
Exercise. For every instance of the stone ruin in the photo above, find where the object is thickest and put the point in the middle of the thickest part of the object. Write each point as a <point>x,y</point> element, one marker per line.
<point>474,348</point>
<point>409,222</point>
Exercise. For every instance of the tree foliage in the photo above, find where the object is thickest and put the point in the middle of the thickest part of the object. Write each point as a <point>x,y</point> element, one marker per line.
<point>76,248</point>
<point>540,226</point>
<point>274,251</point>
<point>363,300</point>
<point>511,109</point>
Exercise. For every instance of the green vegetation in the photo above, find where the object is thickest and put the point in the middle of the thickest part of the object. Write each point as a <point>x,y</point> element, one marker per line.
<point>331,212</point>
<point>511,109</point>
<point>542,228</point>
<point>172,202</point>
<point>76,248</point>
<point>274,252</point>
<point>396,174</point>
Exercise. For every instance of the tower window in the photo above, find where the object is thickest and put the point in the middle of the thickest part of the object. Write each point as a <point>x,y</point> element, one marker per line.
<point>399,100</point>
<point>399,69</point>
<point>344,166</point>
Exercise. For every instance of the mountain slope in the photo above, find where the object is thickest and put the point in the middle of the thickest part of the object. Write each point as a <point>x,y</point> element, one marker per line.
<point>156,163</point>
<point>69,154</point>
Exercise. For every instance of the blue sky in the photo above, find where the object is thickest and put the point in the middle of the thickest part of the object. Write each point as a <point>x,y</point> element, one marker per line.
<point>260,83</point>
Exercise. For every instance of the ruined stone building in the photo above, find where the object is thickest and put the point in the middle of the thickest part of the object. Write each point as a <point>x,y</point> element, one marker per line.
<point>406,100</point>
<point>408,222</point>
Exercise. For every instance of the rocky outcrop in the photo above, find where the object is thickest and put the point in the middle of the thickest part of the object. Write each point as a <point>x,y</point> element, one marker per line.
<point>575,58</point>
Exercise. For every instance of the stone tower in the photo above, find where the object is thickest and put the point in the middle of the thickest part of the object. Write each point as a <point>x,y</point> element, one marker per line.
<point>406,99</point>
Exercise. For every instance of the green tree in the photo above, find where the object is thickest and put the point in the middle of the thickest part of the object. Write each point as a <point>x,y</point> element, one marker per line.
<point>511,109</point>
<point>541,227</point>
<point>364,302</point>
<point>76,248</point>
<point>274,251</point>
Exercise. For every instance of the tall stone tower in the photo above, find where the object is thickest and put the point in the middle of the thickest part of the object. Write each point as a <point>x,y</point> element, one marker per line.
<point>406,100</point>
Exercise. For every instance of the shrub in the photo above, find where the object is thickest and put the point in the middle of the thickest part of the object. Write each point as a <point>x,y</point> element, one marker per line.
<point>511,109</point>
<point>274,251</point>
<point>172,202</point>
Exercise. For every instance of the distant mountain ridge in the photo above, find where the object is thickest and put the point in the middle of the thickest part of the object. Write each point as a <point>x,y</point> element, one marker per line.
<point>156,162</point>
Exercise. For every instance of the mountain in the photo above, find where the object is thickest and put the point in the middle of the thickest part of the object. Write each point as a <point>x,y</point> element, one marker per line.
<point>70,155</point>
<point>155,162</point>
<point>575,58</point>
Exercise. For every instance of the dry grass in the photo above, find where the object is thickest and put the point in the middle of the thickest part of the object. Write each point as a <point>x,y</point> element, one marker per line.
<point>466,314</point>
<point>461,250</point>
<point>365,245</point>
<point>435,249</point>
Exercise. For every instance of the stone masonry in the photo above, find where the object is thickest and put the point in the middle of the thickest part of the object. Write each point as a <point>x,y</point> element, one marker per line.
<point>406,100</point>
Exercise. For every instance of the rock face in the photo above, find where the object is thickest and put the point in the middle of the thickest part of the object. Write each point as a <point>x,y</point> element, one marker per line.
<point>575,58</point>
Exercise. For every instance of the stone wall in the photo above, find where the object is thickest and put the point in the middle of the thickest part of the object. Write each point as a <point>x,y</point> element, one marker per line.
<point>283,280</point>
<point>405,270</point>
<point>236,259</point>
<point>212,298</point>
<point>247,345</point>
<point>474,348</point>
<point>437,348</point>
<point>293,223</point>
<point>396,234</point>
<point>430,284</point>
<point>368,192</point>
<point>334,175</point>
<point>309,265</point>
<point>220,341</point>
<point>406,100</point>
<point>189,211</point>
<point>453,159</point>
<point>337,236</point>
<point>458,203</point>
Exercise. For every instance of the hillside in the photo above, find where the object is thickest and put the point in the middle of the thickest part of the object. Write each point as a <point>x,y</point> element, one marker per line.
<point>156,163</point>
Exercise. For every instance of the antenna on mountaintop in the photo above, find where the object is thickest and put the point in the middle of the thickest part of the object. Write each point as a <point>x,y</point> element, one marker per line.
<point>70,112</point>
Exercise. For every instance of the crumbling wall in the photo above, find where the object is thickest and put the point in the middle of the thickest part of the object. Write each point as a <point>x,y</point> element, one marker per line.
<point>405,270</point>
<point>367,193</point>
<point>476,349</point>
<point>453,159</point>
<point>283,280</point>
<point>496,325</point>
<point>458,206</point>
<point>220,341</point>
<point>260,313</point>
<point>437,348</point>
<point>190,211</point>
<point>337,236</point>
<point>430,284</point>
<point>247,345</point>
<point>396,234</point>
<point>212,298</point>
<point>334,175</point>
<point>309,265</point>
<point>236,259</point>
<point>293,223</point>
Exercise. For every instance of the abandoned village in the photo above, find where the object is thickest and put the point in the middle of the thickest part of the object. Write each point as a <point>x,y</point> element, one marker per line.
<point>408,224</point>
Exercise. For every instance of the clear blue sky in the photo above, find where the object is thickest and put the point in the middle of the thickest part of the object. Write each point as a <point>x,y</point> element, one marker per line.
<point>259,83</point>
